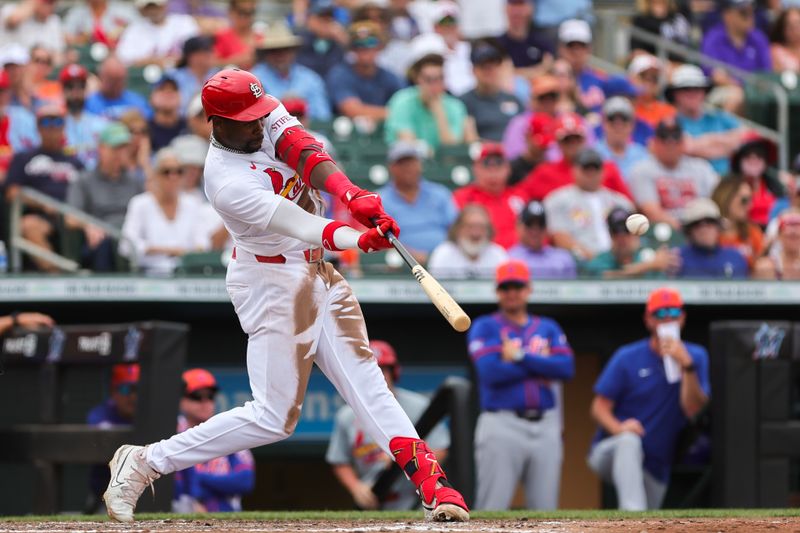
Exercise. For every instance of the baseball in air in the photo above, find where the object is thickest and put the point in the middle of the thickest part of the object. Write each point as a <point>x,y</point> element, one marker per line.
<point>637,224</point>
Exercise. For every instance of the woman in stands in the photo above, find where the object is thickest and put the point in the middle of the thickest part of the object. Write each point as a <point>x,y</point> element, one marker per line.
<point>734,196</point>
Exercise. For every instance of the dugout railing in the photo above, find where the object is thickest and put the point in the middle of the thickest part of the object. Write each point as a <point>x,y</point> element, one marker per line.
<point>34,365</point>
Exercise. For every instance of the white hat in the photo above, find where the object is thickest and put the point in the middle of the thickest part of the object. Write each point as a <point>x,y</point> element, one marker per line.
<point>699,209</point>
<point>618,105</point>
<point>688,77</point>
<point>426,44</point>
<point>143,3</point>
<point>575,30</point>
<point>444,8</point>
<point>191,149</point>
<point>14,54</point>
<point>642,63</point>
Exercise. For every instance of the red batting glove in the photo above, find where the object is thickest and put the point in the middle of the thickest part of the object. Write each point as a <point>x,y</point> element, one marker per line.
<point>374,239</point>
<point>364,206</point>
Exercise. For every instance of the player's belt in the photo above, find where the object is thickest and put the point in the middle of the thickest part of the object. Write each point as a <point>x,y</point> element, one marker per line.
<point>313,255</point>
<point>532,415</point>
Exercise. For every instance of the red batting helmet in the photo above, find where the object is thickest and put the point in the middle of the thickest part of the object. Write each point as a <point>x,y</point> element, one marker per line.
<point>237,95</point>
<point>386,357</point>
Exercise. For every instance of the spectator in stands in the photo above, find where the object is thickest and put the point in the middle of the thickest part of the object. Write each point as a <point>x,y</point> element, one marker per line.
<point>538,139</point>
<point>39,84</point>
<point>544,261</point>
<point>570,132</point>
<point>458,75</point>
<point>217,485</point>
<point>426,209</point>
<point>155,38</point>
<point>545,94</point>
<point>575,46</point>
<point>703,256</point>
<point>627,258</point>
<point>161,224</point>
<point>322,40</point>
<point>783,261</point>
<point>362,88</point>
<point>468,251</point>
<point>734,196</point>
<point>118,410</point>
<point>356,459</point>
<point>641,408</point>
<point>617,143</point>
<point>47,169</point>
<point>298,108</point>
<point>425,111</point>
<point>568,89</point>
<point>402,28</point>
<point>752,161</point>
<point>166,122</point>
<point>491,170</point>
<point>114,98</point>
<point>712,135</point>
<point>531,53</point>
<point>661,18</point>
<point>785,39</point>
<point>737,42</point>
<point>666,181</point>
<point>31,22</point>
<point>576,214</point>
<point>488,104</point>
<point>138,160</point>
<point>645,74</point>
<point>82,127</point>
<point>208,16</point>
<point>195,67</point>
<point>104,193</point>
<point>618,86</point>
<point>280,72</point>
<point>97,21</point>
<point>550,14</point>
<point>236,44</point>
<point>19,126</point>
<point>15,60</point>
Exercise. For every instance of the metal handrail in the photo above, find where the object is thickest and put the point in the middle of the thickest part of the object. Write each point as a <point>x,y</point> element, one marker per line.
<point>665,47</point>
<point>19,245</point>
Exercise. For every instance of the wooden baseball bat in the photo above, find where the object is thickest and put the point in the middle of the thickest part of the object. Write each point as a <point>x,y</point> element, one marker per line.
<point>450,310</point>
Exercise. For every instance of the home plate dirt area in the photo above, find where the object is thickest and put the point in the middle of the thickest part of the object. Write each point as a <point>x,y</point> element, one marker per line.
<point>515,525</point>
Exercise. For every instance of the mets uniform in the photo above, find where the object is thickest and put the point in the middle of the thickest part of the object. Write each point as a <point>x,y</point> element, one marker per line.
<point>518,434</point>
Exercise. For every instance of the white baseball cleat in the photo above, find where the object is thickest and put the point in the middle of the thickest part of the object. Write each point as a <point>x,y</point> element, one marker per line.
<point>130,475</point>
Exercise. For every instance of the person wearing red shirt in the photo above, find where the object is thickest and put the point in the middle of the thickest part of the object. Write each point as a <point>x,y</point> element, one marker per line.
<point>752,161</point>
<point>570,132</point>
<point>236,44</point>
<point>489,189</point>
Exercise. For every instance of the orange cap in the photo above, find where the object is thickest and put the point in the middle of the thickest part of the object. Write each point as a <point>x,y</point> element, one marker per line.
<point>545,84</point>
<point>198,378</point>
<point>124,373</point>
<point>513,271</point>
<point>663,297</point>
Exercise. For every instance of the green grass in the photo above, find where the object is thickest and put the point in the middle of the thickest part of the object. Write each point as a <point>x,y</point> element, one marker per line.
<point>409,515</point>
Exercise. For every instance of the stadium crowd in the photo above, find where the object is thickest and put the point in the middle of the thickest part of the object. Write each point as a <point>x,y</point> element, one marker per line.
<point>566,152</point>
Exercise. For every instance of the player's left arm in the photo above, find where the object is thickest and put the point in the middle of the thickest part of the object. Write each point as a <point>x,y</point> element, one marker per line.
<point>559,363</point>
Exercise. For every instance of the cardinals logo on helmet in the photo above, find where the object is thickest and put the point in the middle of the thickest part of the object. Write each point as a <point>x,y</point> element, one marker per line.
<point>256,89</point>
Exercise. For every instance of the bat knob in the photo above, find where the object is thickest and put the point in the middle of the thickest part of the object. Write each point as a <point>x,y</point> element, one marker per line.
<point>462,323</point>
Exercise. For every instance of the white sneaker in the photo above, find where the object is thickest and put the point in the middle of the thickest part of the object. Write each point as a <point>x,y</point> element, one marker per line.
<point>130,474</point>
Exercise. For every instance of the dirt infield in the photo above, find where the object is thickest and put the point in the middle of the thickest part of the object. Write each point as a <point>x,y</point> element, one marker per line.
<point>521,525</point>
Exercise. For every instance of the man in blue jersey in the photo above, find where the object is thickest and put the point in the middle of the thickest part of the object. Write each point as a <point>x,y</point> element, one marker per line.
<point>643,399</point>
<point>518,357</point>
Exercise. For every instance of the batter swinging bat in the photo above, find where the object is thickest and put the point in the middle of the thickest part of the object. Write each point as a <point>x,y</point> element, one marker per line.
<point>451,311</point>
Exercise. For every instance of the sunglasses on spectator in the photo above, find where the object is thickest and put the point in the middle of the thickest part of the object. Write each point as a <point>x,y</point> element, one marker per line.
<point>246,12</point>
<point>592,166</point>
<point>126,389</point>
<point>51,122</point>
<point>667,312</point>
<point>618,118</point>
<point>72,85</point>
<point>670,136</point>
<point>42,60</point>
<point>174,171</point>
<point>577,44</point>
<point>548,96</point>
<point>493,161</point>
<point>201,396</point>
<point>572,138</point>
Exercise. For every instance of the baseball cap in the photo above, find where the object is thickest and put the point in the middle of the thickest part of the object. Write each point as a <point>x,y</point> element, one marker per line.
<point>642,63</point>
<point>589,157</point>
<point>402,150</point>
<point>663,297</point>
<point>569,124</point>
<point>115,134</point>
<point>512,271</point>
<point>192,45</point>
<point>73,72</point>
<point>195,106</point>
<point>544,85</point>
<point>191,149</point>
<point>616,220</point>
<point>668,128</point>
<point>383,352</point>
<point>197,379</point>
<point>699,209</point>
<point>686,77</point>
<point>484,52</point>
<point>492,150</point>
<point>295,105</point>
<point>144,3</point>
<point>575,31</point>
<point>618,105</point>
<point>533,213</point>
<point>444,9</point>
<point>50,109</point>
<point>365,34</point>
<point>125,373</point>
<point>541,128</point>
<point>619,86</point>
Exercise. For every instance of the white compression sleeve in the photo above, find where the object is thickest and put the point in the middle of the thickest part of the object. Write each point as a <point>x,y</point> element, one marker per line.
<point>293,221</point>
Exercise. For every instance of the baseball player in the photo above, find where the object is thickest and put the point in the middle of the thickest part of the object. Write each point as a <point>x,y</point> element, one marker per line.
<point>263,175</point>
<point>517,358</point>
<point>356,459</point>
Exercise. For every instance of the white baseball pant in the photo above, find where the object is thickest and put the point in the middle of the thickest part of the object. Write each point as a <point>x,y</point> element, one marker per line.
<point>294,314</point>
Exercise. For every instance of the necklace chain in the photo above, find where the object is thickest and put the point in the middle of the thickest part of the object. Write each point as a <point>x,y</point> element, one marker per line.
<point>216,144</point>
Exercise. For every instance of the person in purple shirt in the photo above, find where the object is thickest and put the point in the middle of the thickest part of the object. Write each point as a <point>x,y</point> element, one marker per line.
<point>737,42</point>
<point>703,256</point>
<point>543,260</point>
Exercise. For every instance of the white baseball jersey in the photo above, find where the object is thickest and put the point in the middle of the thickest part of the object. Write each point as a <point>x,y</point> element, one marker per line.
<point>244,189</point>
